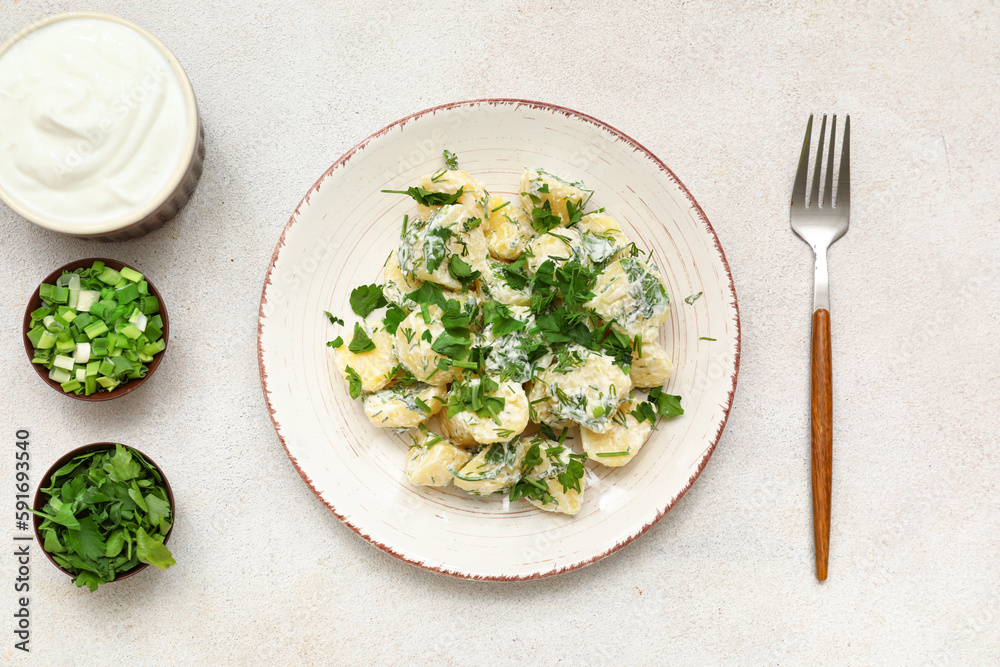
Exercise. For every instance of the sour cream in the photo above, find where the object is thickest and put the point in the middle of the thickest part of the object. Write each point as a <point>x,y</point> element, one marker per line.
<point>94,121</point>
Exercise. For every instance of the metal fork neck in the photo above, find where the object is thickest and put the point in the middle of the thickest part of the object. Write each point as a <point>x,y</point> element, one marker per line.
<point>821,281</point>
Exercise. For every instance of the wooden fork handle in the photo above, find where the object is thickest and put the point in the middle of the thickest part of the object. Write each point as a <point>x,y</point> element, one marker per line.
<point>822,441</point>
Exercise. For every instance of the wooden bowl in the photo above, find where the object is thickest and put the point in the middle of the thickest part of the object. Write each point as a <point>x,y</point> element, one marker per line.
<point>40,501</point>
<point>35,302</point>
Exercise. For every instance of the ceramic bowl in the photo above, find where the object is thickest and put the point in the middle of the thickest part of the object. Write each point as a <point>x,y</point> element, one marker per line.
<point>339,237</point>
<point>40,500</point>
<point>171,197</point>
<point>35,302</point>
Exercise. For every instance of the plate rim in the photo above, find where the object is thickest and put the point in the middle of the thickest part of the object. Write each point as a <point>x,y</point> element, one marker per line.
<point>566,111</point>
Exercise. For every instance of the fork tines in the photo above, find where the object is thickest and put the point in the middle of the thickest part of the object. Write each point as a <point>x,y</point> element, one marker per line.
<point>843,179</point>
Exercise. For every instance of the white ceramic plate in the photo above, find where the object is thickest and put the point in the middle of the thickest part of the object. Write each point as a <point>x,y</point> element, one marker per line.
<point>339,237</point>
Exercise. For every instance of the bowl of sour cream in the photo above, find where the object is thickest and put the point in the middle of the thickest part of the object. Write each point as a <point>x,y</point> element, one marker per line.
<point>100,135</point>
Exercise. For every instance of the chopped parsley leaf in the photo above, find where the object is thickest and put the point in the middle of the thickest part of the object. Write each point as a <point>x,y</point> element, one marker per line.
<point>353,382</point>
<point>366,298</point>
<point>394,315</point>
<point>360,343</point>
<point>461,271</point>
<point>501,318</point>
<point>575,213</point>
<point>428,198</point>
<point>570,479</point>
<point>427,294</point>
<point>666,404</point>
<point>543,219</point>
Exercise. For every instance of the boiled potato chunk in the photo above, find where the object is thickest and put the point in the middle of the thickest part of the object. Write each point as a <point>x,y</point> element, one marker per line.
<point>397,407</point>
<point>512,418</point>
<point>474,199</point>
<point>618,444</point>
<point>426,247</point>
<point>397,285</point>
<point>373,367</point>
<point>602,223</point>
<point>583,387</point>
<point>539,187</point>
<point>653,368</point>
<point>496,286</point>
<point>631,294</point>
<point>560,245</point>
<point>508,230</point>
<point>431,459</point>
<point>496,468</point>
<point>414,350</point>
<point>555,460</point>
<point>457,430</point>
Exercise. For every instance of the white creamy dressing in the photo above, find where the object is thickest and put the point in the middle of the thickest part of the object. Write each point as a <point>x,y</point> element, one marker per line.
<point>93,120</point>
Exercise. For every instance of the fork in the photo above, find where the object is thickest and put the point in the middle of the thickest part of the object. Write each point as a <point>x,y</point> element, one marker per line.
<point>820,226</point>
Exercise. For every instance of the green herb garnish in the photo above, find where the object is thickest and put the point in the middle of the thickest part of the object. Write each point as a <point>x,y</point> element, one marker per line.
<point>543,219</point>
<point>451,160</point>
<point>666,404</point>
<point>366,298</point>
<point>428,198</point>
<point>570,479</point>
<point>360,342</point>
<point>461,271</point>
<point>476,397</point>
<point>106,512</point>
<point>394,315</point>
<point>660,404</point>
<point>501,318</point>
<point>575,212</point>
<point>353,382</point>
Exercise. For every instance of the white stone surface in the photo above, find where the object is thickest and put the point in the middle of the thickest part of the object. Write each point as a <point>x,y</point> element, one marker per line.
<point>720,92</point>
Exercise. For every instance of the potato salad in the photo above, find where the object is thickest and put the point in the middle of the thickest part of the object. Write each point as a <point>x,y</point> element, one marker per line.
<point>515,340</point>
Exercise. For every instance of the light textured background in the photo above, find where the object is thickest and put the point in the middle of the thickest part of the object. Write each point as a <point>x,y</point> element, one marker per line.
<point>721,93</point>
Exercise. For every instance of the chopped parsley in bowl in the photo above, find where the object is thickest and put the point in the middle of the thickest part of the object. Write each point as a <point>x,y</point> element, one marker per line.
<point>104,512</point>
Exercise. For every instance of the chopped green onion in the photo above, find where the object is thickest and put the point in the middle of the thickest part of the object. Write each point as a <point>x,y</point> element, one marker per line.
<point>59,375</point>
<point>63,362</point>
<point>109,276</point>
<point>127,294</point>
<point>96,329</point>
<point>130,274</point>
